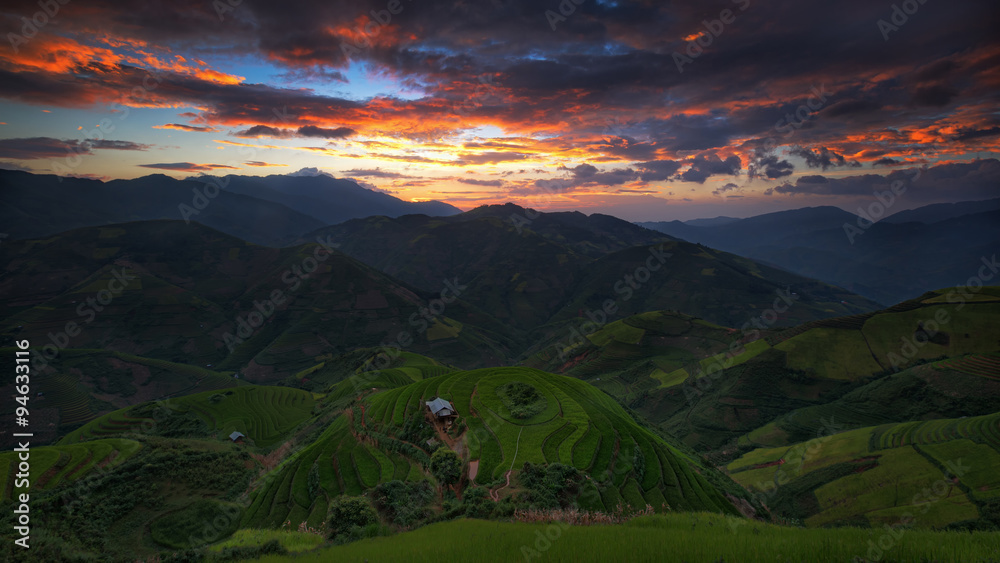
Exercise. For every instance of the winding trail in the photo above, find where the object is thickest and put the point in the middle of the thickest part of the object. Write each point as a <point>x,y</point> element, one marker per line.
<point>517,446</point>
<point>495,494</point>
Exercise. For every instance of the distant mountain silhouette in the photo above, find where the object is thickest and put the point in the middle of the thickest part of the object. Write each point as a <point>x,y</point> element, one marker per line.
<point>331,200</point>
<point>273,211</point>
<point>942,211</point>
<point>891,261</point>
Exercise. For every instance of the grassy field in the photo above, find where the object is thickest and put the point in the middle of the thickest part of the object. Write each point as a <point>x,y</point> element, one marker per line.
<point>575,424</point>
<point>878,474</point>
<point>335,463</point>
<point>694,538</point>
<point>781,384</point>
<point>89,382</point>
<point>52,466</point>
<point>579,426</point>
<point>294,542</point>
<point>264,414</point>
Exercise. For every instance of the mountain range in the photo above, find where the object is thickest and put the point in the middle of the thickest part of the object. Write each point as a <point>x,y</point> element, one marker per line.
<point>892,260</point>
<point>386,373</point>
<point>270,210</point>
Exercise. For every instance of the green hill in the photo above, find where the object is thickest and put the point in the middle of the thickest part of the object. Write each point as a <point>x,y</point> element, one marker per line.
<point>52,466</point>
<point>940,472</point>
<point>84,384</point>
<point>264,414</point>
<point>560,265</point>
<point>385,437</point>
<point>188,294</point>
<point>709,387</point>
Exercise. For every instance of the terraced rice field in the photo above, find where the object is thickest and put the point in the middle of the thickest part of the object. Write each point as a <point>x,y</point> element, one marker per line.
<point>879,473</point>
<point>264,414</point>
<point>579,426</point>
<point>340,465</point>
<point>54,465</point>
<point>983,365</point>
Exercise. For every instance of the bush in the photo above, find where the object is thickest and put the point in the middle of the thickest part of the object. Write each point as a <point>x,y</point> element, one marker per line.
<point>477,503</point>
<point>550,486</point>
<point>522,400</point>
<point>272,547</point>
<point>349,512</point>
<point>446,466</point>
<point>403,504</point>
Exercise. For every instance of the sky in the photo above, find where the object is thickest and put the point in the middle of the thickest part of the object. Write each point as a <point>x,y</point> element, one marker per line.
<point>643,110</point>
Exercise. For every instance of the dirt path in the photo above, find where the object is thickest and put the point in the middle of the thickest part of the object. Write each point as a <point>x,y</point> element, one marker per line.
<point>495,494</point>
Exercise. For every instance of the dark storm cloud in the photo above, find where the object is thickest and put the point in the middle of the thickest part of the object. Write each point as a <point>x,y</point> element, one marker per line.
<point>338,133</point>
<point>187,166</point>
<point>703,166</point>
<point>658,170</point>
<point>966,134</point>
<point>373,173</point>
<point>48,147</point>
<point>955,182</point>
<point>486,183</point>
<point>264,131</point>
<point>606,57</point>
<point>823,158</point>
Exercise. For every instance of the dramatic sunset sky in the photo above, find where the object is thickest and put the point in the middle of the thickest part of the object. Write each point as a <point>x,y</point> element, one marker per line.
<point>603,106</point>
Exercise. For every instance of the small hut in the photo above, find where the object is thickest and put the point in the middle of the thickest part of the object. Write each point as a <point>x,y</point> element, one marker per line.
<point>442,410</point>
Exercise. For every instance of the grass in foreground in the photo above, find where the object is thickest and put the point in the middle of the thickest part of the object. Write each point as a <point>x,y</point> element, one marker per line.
<point>693,538</point>
<point>294,542</point>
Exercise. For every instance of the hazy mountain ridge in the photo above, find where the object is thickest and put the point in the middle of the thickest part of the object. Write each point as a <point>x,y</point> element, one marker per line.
<point>886,261</point>
<point>273,210</point>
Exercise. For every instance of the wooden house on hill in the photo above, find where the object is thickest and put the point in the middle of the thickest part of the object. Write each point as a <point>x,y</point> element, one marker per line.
<point>442,409</point>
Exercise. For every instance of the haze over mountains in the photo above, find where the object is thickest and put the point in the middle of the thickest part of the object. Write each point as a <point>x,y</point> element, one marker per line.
<point>678,376</point>
<point>269,210</point>
<point>894,259</point>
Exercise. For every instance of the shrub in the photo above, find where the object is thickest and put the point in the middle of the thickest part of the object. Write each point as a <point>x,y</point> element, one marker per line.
<point>403,504</point>
<point>477,503</point>
<point>522,400</point>
<point>446,466</point>
<point>550,486</point>
<point>348,512</point>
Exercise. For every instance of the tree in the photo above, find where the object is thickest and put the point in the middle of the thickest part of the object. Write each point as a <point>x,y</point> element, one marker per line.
<point>446,466</point>
<point>348,512</point>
